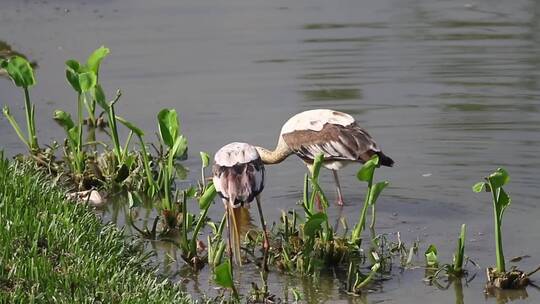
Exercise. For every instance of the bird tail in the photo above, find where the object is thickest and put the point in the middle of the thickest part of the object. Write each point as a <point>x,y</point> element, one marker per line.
<point>241,223</point>
<point>385,160</point>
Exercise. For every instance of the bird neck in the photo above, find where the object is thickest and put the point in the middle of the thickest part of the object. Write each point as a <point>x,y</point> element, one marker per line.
<point>276,156</point>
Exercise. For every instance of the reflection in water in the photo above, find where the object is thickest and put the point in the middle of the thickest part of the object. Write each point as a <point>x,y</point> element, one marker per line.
<point>504,296</point>
<point>331,94</point>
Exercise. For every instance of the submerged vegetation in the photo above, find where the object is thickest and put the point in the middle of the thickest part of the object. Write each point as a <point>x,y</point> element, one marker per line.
<point>94,157</point>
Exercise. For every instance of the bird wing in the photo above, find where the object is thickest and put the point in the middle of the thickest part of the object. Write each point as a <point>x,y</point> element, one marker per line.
<point>335,142</point>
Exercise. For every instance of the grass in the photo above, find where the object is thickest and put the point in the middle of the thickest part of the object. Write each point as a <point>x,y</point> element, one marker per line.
<point>52,250</point>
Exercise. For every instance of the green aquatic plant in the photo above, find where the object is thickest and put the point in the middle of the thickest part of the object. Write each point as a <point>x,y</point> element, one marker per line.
<point>317,196</point>
<point>501,200</point>
<point>459,254</point>
<point>223,276</point>
<point>205,161</point>
<point>109,108</point>
<point>84,79</point>
<point>498,276</point>
<point>309,243</point>
<point>431,255</point>
<point>22,74</point>
<point>356,281</point>
<point>366,174</point>
<point>152,186</point>
<point>188,243</point>
<point>176,143</point>
<point>216,245</point>
<point>456,268</point>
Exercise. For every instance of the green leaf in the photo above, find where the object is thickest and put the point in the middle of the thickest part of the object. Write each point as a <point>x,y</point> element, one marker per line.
<point>317,163</point>
<point>179,148</point>
<point>73,79</point>
<point>313,225</point>
<point>168,126</point>
<point>20,71</point>
<point>223,275</point>
<point>191,192</point>
<point>63,119</point>
<point>376,190</point>
<point>365,173</point>
<point>99,96</point>
<point>431,256</point>
<point>134,199</point>
<point>73,135</point>
<point>479,187</point>
<point>94,60</point>
<point>460,250</point>
<point>87,81</point>
<point>180,152</point>
<point>205,159</point>
<point>498,178</point>
<point>208,197</point>
<point>504,199</point>
<point>130,126</point>
<point>74,65</point>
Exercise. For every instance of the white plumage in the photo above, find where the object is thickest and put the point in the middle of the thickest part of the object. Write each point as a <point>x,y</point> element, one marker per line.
<point>315,120</point>
<point>238,173</point>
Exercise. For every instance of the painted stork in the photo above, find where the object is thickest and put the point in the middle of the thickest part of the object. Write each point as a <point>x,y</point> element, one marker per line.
<point>238,175</point>
<point>334,134</point>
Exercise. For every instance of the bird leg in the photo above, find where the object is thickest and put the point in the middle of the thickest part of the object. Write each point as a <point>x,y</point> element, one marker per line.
<point>266,243</point>
<point>338,188</point>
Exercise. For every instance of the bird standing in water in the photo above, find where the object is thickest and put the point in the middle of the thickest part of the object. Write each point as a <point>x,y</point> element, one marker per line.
<point>238,175</point>
<point>334,134</point>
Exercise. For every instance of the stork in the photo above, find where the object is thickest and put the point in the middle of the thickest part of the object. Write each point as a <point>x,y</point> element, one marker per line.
<point>334,134</point>
<point>238,175</point>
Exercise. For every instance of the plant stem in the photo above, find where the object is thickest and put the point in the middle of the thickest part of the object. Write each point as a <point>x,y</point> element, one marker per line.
<point>498,235</point>
<point>114,135</point>
<point>30,123</point>
<point>16,127</point>
<point>146,161</point>
<point>373,217</point>
<point>369,277</point>
<point>459,255</point>
<point>78,158</point>
<point>167,188</point>
<point>128,140</point>
<point>360,226</point>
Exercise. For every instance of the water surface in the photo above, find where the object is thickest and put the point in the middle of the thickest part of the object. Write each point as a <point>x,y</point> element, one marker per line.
<point>449,89</point>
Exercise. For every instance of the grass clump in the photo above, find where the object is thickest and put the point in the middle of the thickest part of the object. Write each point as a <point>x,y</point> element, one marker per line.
<point>52,250</point>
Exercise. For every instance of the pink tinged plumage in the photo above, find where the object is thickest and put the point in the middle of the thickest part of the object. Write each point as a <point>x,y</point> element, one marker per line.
<point>238,175</point>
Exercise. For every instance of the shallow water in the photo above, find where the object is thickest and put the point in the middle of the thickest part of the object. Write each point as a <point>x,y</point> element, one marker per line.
<point>449,89</point>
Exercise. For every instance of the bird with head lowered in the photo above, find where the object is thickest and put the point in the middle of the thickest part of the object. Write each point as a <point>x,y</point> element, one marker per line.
<point>335,135</point>
<point>238,175</point>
